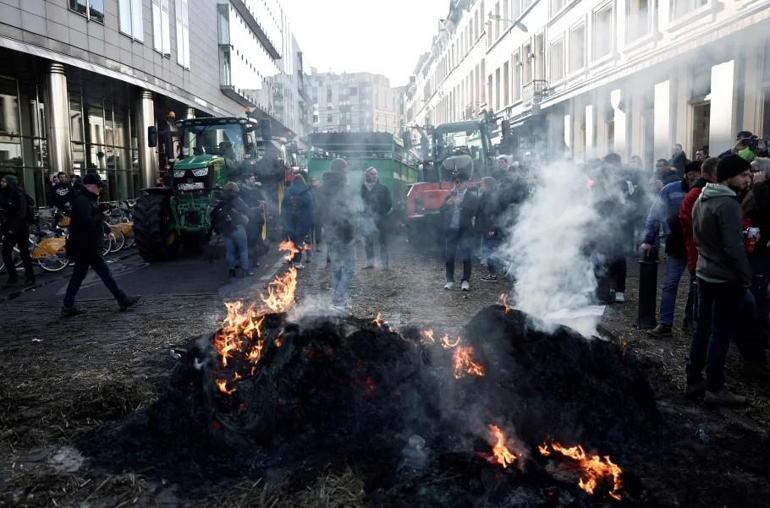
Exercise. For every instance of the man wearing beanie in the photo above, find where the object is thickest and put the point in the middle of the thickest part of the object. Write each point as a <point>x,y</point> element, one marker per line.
<point>724,276</point>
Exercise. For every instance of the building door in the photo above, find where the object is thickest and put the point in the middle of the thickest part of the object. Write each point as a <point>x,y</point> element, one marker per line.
<point>701,118</point>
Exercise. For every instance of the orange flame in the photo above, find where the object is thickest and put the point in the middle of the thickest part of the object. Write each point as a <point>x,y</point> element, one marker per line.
<point>464,364</point>
<point>427,336</point>
<point>448,344</point>
<point>503,300</point>
<point>289,248</point>
<point>500,453</point>
<point>378,321</point>
<point>222,385</point>
<point>238,325</point>
<point>280,292</point>
<point>593,467</point>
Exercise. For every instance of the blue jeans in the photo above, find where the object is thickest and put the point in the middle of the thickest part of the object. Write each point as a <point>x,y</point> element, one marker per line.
<point>343,262</point>
<point>675,267</point>
<point>79,274</point>
<point>236,242</point>
<point>725,311</point>
<point>457,242</point>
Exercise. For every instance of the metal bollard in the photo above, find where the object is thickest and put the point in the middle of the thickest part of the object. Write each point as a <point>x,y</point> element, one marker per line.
<point>648,292</point>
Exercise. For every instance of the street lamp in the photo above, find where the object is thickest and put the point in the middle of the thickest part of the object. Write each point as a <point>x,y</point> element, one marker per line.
<point>497,17</point>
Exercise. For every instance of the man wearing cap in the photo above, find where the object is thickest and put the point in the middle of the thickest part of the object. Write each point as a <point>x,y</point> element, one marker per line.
<point>84,246</point>
<point>459,213</point>
<point>15,228</point>
<point>724,276</point>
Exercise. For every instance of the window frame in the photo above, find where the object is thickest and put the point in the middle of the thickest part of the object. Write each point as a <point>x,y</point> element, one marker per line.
<point>182,16</point>
<point>559,40</point>
<point>161,39</point>
<point>641,37</point>
<point>597,60</point>
<point>582,24</point>
<point>87,13</point>
<point>135,19</point>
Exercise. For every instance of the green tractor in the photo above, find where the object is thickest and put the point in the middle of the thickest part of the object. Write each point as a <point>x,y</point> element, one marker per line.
<point>214,151</point>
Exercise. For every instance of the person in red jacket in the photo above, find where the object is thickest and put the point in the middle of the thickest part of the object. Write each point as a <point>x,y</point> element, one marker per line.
<point>708,173</point>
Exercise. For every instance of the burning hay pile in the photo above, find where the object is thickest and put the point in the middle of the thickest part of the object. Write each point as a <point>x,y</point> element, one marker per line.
<point>504,410</point>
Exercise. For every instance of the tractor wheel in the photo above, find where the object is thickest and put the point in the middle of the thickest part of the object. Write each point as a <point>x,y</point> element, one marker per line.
<point>154,233</point>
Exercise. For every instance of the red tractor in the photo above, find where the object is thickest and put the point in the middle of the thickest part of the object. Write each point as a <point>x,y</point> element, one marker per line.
<point>458,146</point>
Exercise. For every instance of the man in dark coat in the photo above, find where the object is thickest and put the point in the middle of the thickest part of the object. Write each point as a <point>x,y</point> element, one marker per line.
<point>84,246</point>
<point>377,206</point>
<point>15,228</point>
<point>459,215</point>
<point>298,208</point>
<point>678,160</point>
<point>229,218</point>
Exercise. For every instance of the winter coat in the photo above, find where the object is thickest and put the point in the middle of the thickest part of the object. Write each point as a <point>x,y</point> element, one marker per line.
<point>13,204</point>
<point>685,220</point>
<point>229,213</point>
<point>664,215</point>
<point>335,211</point>
<point>469,209</point>
<point>489,213</point>
<point>377,202</point>
<point>756,207</point>
<point>716,219</point>
<point>86,230</point>
<point>297,209</point>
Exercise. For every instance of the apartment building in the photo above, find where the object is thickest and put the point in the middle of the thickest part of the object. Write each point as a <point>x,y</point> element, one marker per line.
<point>82,80</point>
<point>585,77</point>
<point>354,102</point>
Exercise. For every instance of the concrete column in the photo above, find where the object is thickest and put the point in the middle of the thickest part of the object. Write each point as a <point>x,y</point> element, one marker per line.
<point>662,120</point>
<point>620,123</point>
<point>590,150</point>
<point>722,124</point>
<point>57,119</point>
<point>148,157</point>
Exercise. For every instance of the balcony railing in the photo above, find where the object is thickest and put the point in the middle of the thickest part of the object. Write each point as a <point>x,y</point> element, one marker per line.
<point>535,91</point>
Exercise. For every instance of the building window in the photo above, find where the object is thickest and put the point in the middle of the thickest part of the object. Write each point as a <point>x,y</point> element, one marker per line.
<point>131,22</point>
<point>161,28</point>
<point>603,32</point>
<point>92,9</point>
<point>557,60</point>
<point>557,5</point>
<point>681,7</point>
<point>182,11</point>
<point>506,84</point>
<point>637,19</point>
<point>577,48</point>
<point>517,77</point>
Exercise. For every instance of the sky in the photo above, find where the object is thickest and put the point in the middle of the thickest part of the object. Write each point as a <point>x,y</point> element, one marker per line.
<point>380,36</point>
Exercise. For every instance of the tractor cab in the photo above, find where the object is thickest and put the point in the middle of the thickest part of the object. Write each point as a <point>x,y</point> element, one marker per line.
<point>213,151</point>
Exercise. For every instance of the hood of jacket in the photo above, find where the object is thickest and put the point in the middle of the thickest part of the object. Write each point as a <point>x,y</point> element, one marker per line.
<point>717,190</point>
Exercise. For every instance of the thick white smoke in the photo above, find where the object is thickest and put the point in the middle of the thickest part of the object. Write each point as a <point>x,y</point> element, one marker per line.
<point>553,268</point>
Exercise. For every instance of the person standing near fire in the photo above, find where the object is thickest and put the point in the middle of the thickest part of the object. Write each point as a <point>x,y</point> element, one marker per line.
<point>725,303</point>
<point>297,211</point>
<point>339,231</point>
<point>459,215</point>
<point>84,246</point>
<point>377,206</point>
